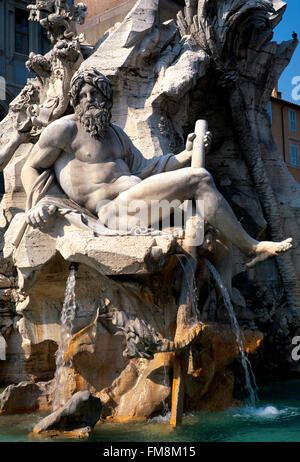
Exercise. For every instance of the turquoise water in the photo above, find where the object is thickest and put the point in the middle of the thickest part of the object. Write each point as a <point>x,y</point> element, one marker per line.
<point>275,418</point>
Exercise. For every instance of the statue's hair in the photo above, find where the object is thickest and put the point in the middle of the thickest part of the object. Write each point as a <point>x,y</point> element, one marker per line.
<point>93,77</point>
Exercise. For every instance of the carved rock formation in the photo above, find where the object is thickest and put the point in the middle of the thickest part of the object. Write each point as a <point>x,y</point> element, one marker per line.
<point>79,415</point>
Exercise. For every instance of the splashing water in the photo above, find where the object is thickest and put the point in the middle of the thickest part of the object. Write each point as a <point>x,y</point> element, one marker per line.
<point>249,375</point>
<point>266,412</point>
<point>63,362</point>
<point>188,266</point>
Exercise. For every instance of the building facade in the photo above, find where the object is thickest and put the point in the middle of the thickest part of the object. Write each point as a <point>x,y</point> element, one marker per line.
<point>285,118</point>
<point>18,37</point>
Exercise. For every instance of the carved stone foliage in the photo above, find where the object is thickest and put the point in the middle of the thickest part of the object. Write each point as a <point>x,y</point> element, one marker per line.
<point>57,16</point>
<point>45,98</point>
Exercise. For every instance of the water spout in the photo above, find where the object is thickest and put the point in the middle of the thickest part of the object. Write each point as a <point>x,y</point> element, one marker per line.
<point>63,361</point>
<point>249,375</point>
<point>188,265</point>
<point>74,266</point>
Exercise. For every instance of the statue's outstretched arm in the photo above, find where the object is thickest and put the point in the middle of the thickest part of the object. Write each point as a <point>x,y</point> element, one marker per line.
<point>37,169</point>
<point>44,154</point>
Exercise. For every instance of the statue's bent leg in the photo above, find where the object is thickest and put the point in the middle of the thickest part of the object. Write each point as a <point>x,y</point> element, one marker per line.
<point>137,202</point>
<point>181,185</point>
<point>219,214</point>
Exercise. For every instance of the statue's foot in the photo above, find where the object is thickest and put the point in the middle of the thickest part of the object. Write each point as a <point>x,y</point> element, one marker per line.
<point>268,249</point>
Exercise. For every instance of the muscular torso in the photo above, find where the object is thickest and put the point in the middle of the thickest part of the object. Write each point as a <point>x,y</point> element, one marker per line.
<point>91,170</point>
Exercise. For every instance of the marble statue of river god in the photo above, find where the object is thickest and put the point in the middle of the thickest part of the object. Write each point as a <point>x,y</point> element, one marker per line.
<point>95,164</point>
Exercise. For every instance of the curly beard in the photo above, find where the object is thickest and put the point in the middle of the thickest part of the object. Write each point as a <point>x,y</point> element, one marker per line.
<point>95,118</point>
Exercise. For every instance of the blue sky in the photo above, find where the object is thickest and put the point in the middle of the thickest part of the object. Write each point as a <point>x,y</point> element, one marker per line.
<point>289,24</point>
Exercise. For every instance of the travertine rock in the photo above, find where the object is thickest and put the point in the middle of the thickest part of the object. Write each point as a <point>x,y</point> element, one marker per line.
<point>26,397</point>
<point>109,255</point>
<point>82,411</point>
<point>6,282</point>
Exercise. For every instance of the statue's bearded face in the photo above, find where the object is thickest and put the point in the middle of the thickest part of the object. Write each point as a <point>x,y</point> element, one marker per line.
<point>93,111</point>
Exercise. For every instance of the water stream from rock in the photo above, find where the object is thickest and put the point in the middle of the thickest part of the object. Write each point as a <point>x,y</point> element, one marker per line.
<point>250,382</point>
<point>189,283</point>
<point>166,384</point>
<point>63,362</point>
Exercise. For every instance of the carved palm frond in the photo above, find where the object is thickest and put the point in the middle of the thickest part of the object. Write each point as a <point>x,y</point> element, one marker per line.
<point>186,17</point>
<point>209,21</point>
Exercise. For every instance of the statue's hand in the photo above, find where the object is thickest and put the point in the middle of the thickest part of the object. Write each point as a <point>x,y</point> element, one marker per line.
<point>39,215</point>
<point>190,142</point>
<point>207,142</point>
